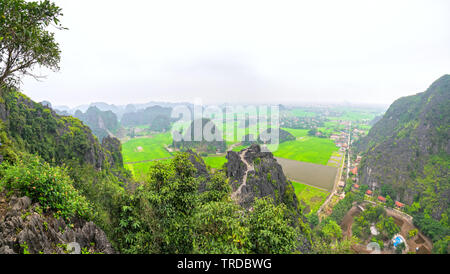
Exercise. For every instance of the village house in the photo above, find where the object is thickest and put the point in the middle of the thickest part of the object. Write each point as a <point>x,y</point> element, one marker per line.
<point>399,205</point>
<point>334,137</point>
<point>381,199</point>
<point>369,192</point>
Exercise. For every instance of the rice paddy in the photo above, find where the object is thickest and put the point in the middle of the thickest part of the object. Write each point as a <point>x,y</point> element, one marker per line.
<point>310,198</point>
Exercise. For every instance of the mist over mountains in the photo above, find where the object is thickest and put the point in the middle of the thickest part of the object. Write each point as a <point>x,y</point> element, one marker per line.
<point>119,110</point>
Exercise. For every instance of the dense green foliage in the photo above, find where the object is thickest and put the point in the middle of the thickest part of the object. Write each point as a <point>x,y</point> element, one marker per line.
<point>328,239</point>
<point>167,214</point>
<point>374,215</point>
<point>269,231</point>
<point>344,205</point>
<point>219,229</point>
<point>37,130</point>
<point>51,186</point>
<point>407,150</point>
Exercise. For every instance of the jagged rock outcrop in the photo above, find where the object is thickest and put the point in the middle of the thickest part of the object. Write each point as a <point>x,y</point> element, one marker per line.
<point>267,135</point>
<point>113,147</point>
<point>201,170</point>
<point>255,174</point>
<point>25,229</point>
<point>157,117</point>
<point>198,163</point>
<point>102,123</point>
<point>194,137</point>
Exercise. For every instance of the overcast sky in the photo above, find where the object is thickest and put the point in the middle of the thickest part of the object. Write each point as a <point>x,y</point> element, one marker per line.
<point>253,51</point>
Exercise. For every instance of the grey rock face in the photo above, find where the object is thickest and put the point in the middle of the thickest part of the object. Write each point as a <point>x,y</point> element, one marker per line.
<point>113,146</point>
<point>90,152</point>
<point>200,166</point>
<point>22,228</point>
<point>412,132</point>
<point>263,177</point>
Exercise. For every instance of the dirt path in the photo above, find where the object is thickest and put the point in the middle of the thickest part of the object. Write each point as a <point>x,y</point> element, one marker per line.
<point>238,191</point>
<point>347,221</point>
<point>233,146</point>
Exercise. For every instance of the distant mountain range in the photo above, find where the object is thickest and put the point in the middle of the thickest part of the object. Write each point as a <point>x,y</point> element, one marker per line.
<point>118,110</point>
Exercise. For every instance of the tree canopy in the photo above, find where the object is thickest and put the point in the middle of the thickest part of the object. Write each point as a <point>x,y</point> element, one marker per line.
<point>25,38</point>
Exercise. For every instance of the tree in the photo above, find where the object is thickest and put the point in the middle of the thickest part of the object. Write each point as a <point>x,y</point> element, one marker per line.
<point>389,227</point>
<point>159,218</point>
<point>218,229</point>
<point>442,246</point>
<point>389,201</point>
<point>218,188</point>
<point>412,233</point>
<point>331,231</point>
<point>269,229</point>
<point>399,248</point>
<point>24,39</point>
<point>313,219</point>
<point>414,208</point>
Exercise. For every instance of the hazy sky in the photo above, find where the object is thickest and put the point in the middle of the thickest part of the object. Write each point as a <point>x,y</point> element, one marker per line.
<point>254,51</point>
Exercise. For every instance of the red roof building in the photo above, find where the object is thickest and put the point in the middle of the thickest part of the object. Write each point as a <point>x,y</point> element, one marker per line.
<point>398,204</point>
<point>356,186</point>
<point>381,199</point>
<point>369,192</point>
<point>354,170</point>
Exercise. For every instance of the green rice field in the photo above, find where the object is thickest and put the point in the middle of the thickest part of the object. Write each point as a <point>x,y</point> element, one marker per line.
<point>149,148</point>
<point>310,197</point>
<point>307,149</point>
<point>215,162</point>
<point>140,169</point>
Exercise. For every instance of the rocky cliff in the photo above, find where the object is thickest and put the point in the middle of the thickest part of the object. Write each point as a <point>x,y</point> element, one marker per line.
<point>157,117</point>
<point>194,138</point>
<point>407,151</point>
<point>255,174</point>
<point>25,229</point>
<point>39,130</point>
<point>102,123</point>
